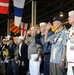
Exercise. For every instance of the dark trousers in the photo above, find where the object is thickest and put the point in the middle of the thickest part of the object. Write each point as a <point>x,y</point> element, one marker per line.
<point>46,64</point>
<point>2,69</point>
<point>23,69</point>
<point>6,67</point>
<point>11,68</point>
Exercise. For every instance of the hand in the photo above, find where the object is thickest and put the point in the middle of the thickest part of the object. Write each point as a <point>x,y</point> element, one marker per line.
<point>15,58</point>
<point>22,63</point>
<point>62,64</point>
<point>49,25</point>
<point>28,32</point>
<point>36,59</point>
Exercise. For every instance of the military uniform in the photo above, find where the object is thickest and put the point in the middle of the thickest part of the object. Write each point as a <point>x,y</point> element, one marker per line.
<point>70,50</point>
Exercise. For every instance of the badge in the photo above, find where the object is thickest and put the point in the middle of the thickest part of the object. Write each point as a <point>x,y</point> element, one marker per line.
<point>54,53</point>
<point>60,39</point>
<point>72,47</point>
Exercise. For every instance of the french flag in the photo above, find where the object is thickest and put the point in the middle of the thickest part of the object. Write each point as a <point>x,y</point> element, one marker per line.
<point>18,11</point>
<point>4,6</point>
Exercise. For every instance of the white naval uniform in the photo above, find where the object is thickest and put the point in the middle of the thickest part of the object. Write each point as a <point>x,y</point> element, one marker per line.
<point>34,66</point>
<point>70,53</point>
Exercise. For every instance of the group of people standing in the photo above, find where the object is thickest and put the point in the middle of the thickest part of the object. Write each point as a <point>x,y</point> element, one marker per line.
<point>57,47</point>
<point>13,56</point>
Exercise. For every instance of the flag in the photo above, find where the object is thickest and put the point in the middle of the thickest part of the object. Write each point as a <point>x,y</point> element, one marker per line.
<point>4,6</point>
<point>18,11</point>
<point>14,28</point>
<point>23,28</point>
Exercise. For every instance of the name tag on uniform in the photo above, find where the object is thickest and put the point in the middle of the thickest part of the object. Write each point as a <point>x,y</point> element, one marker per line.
<point>54,53</point>
<point>71,47</point>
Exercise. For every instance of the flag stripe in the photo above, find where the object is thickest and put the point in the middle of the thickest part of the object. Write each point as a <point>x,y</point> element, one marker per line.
<point>12,25</point>
<point>17,21</point>
<point>15,30</point>
<point>18,11</point>
<point>19,3</point>
<point>4,4</point>
<point>4,1</point>
<point>18,31</point>
<point>4,10</point>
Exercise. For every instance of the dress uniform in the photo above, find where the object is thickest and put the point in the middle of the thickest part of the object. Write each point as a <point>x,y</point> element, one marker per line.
<point>70,44</point>
<point>33,48</point>
<point>70,51</point>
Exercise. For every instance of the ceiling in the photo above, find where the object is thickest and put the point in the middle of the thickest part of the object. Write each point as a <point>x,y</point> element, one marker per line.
<point>46,10</point>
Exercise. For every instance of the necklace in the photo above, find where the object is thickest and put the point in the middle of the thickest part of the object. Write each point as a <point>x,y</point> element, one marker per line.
<point>70,35</point>
<point>57,35</point>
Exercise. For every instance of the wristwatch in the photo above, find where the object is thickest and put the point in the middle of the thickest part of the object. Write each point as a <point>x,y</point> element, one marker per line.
<point>63,60</point>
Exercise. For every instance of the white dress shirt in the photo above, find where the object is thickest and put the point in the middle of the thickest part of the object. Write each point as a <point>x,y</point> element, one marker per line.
<point>20,49</point>
<point>70,53</point>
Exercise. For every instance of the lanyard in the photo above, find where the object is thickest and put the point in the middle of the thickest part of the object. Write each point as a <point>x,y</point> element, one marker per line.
<point>57,35</point>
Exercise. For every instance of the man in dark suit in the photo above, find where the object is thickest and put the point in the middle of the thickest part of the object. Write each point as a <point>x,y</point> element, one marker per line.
<point>22,56</point>
<point>11,67</point>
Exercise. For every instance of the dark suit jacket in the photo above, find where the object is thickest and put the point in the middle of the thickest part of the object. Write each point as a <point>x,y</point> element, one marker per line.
<point>24,53</point>
<point>12,50</point>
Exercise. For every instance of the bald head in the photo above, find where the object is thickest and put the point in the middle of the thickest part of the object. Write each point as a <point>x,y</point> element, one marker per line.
<point>33,30</point>
<point>71,13</point>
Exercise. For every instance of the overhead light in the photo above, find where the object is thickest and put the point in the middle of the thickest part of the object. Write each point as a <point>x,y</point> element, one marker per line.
<point>61,14</point>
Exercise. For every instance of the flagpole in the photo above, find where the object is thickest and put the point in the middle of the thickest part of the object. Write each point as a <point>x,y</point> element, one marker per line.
<point>8,27</point>
<point>33,12</point>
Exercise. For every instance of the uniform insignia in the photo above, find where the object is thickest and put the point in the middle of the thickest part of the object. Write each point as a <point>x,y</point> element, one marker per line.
<point>54,53</point>
<point>60,39</point>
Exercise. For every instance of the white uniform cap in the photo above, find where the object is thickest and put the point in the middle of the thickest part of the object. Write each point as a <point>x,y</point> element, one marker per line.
<point>32,28</point>
<point>42,24</point>
<point>9,37</point>
<point>20,38</point>
<point>4,39</point>
<point>71,13</point>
